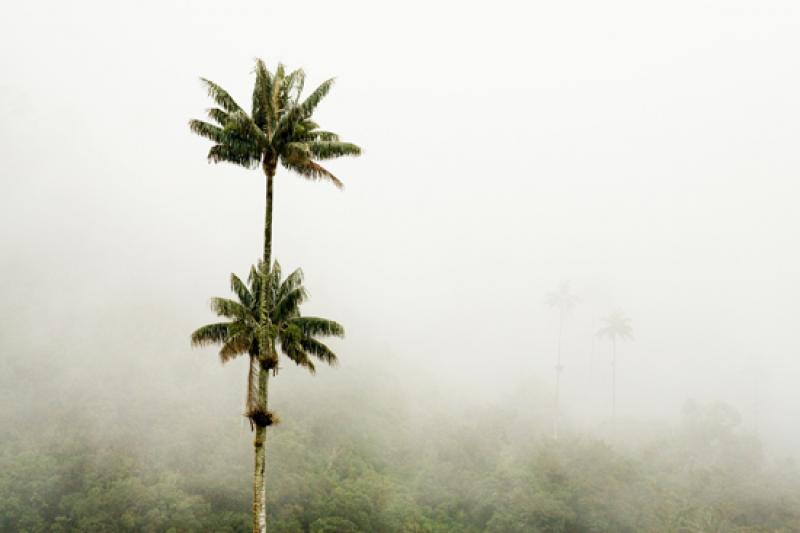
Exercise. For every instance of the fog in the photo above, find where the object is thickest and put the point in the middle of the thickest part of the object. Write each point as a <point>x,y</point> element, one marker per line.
<point>644,151</point>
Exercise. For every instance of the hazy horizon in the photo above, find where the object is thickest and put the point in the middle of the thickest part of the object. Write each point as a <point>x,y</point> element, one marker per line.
<point>645,152</point>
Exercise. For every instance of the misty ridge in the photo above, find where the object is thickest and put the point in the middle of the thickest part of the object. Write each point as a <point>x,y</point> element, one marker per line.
<point>542,267</point>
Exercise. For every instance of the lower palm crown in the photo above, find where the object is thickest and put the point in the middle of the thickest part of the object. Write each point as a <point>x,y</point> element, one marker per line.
<point>257,330</point>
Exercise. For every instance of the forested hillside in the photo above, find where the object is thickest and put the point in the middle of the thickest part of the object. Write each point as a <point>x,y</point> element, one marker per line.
<point>360,462</point>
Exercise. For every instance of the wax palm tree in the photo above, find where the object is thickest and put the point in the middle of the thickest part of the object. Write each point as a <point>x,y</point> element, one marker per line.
<point>278,130</point>
<point>246,333</point>
<point>563,300</point>
<point>617,326</point>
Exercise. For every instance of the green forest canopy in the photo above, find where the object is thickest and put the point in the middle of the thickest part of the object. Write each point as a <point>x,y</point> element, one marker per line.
<point>363,464</point>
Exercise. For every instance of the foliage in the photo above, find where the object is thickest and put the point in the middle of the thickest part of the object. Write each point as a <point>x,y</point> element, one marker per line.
<point>562,299</point>
<point>245,332</point>
<point>387,472</point>
<point>278,129</point>
<point>617,326</point>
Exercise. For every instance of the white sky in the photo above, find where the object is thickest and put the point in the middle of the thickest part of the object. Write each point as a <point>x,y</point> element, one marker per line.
<point>646,151</point>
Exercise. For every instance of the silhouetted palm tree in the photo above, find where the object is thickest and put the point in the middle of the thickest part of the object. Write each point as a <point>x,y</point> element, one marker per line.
<point>617,326</point>
<point>563,300</point>
<point>278,130</point>
<point>244,332</point>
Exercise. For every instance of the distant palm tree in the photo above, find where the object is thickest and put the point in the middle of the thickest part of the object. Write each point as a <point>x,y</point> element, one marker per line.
<point>278,129</point>
<point>245,333</point>
<point>617,326</point>
<point>563,300</point>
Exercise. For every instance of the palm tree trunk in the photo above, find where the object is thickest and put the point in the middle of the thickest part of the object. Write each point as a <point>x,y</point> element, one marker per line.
<point>259,479</point>
<point>269,170</point>
<point>558,375</point>
<point>260,442</point>
<point>613,378</point>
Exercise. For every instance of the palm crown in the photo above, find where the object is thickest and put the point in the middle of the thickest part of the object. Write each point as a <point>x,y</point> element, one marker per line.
<point>563,298</point>
<point>617,326</point>
<point>245,333</point>
<point>278,129</point>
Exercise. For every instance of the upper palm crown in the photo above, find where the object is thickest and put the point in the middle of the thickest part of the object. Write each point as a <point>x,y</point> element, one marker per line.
<point>279,128</point>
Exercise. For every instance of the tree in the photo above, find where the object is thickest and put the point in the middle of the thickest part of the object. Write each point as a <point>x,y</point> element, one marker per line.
<point>617,326</point>
<point>279,129</point>
<point>564,301</point>
<point>246,332</point>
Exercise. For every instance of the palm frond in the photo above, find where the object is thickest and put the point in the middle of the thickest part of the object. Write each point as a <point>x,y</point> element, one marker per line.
<point>237,146</point>
<point>209,131</point>
<point>278,80</point>
<point>241,125</point>
<point>296,151</point>
<point>288,305</point>
<point>312,101</point>
<point>239,343</point>
<point>321,135</point>
<point>218,115</point>
<point>220,96</point>
<point>211,334</point>
<point>303,127</point>
<point>313,326</point>
<point>301,112</point>
<point>303,360</point>
<point>242,292</point>
<point>320,351</point>
<point>293,280</point>
<point>333,149</point>
<point>292,348</point>
<point>223,153</point>
<point>295,82</point>
<point>253,278</point>
<point>313,171</point>
<point>273,280</point>
<point>261,109</point>
<point>229,308</point>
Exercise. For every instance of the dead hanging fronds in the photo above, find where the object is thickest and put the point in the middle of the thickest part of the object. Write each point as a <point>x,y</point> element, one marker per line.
<point>261,416</point>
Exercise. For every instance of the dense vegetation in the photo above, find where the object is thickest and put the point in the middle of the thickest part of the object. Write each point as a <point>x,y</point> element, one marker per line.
<point>358,462</point>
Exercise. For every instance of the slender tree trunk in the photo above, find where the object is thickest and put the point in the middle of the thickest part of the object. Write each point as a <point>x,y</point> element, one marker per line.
<point>260,442</point>
<point>269,170</point>
<point>557,413</point>
<point>613,378</point>
<point>259,479</point>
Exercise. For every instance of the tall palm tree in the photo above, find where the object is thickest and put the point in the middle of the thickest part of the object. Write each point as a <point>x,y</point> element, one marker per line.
<point>563,300</point>
<point>617,326</point>
<point>278,130</point>
<point>244,332</point>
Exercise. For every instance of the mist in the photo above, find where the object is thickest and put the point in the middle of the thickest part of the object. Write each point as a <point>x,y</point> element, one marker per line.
<point>644,152</point>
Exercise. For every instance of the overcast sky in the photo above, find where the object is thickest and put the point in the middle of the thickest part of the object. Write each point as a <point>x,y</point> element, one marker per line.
<point>646,151</point>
